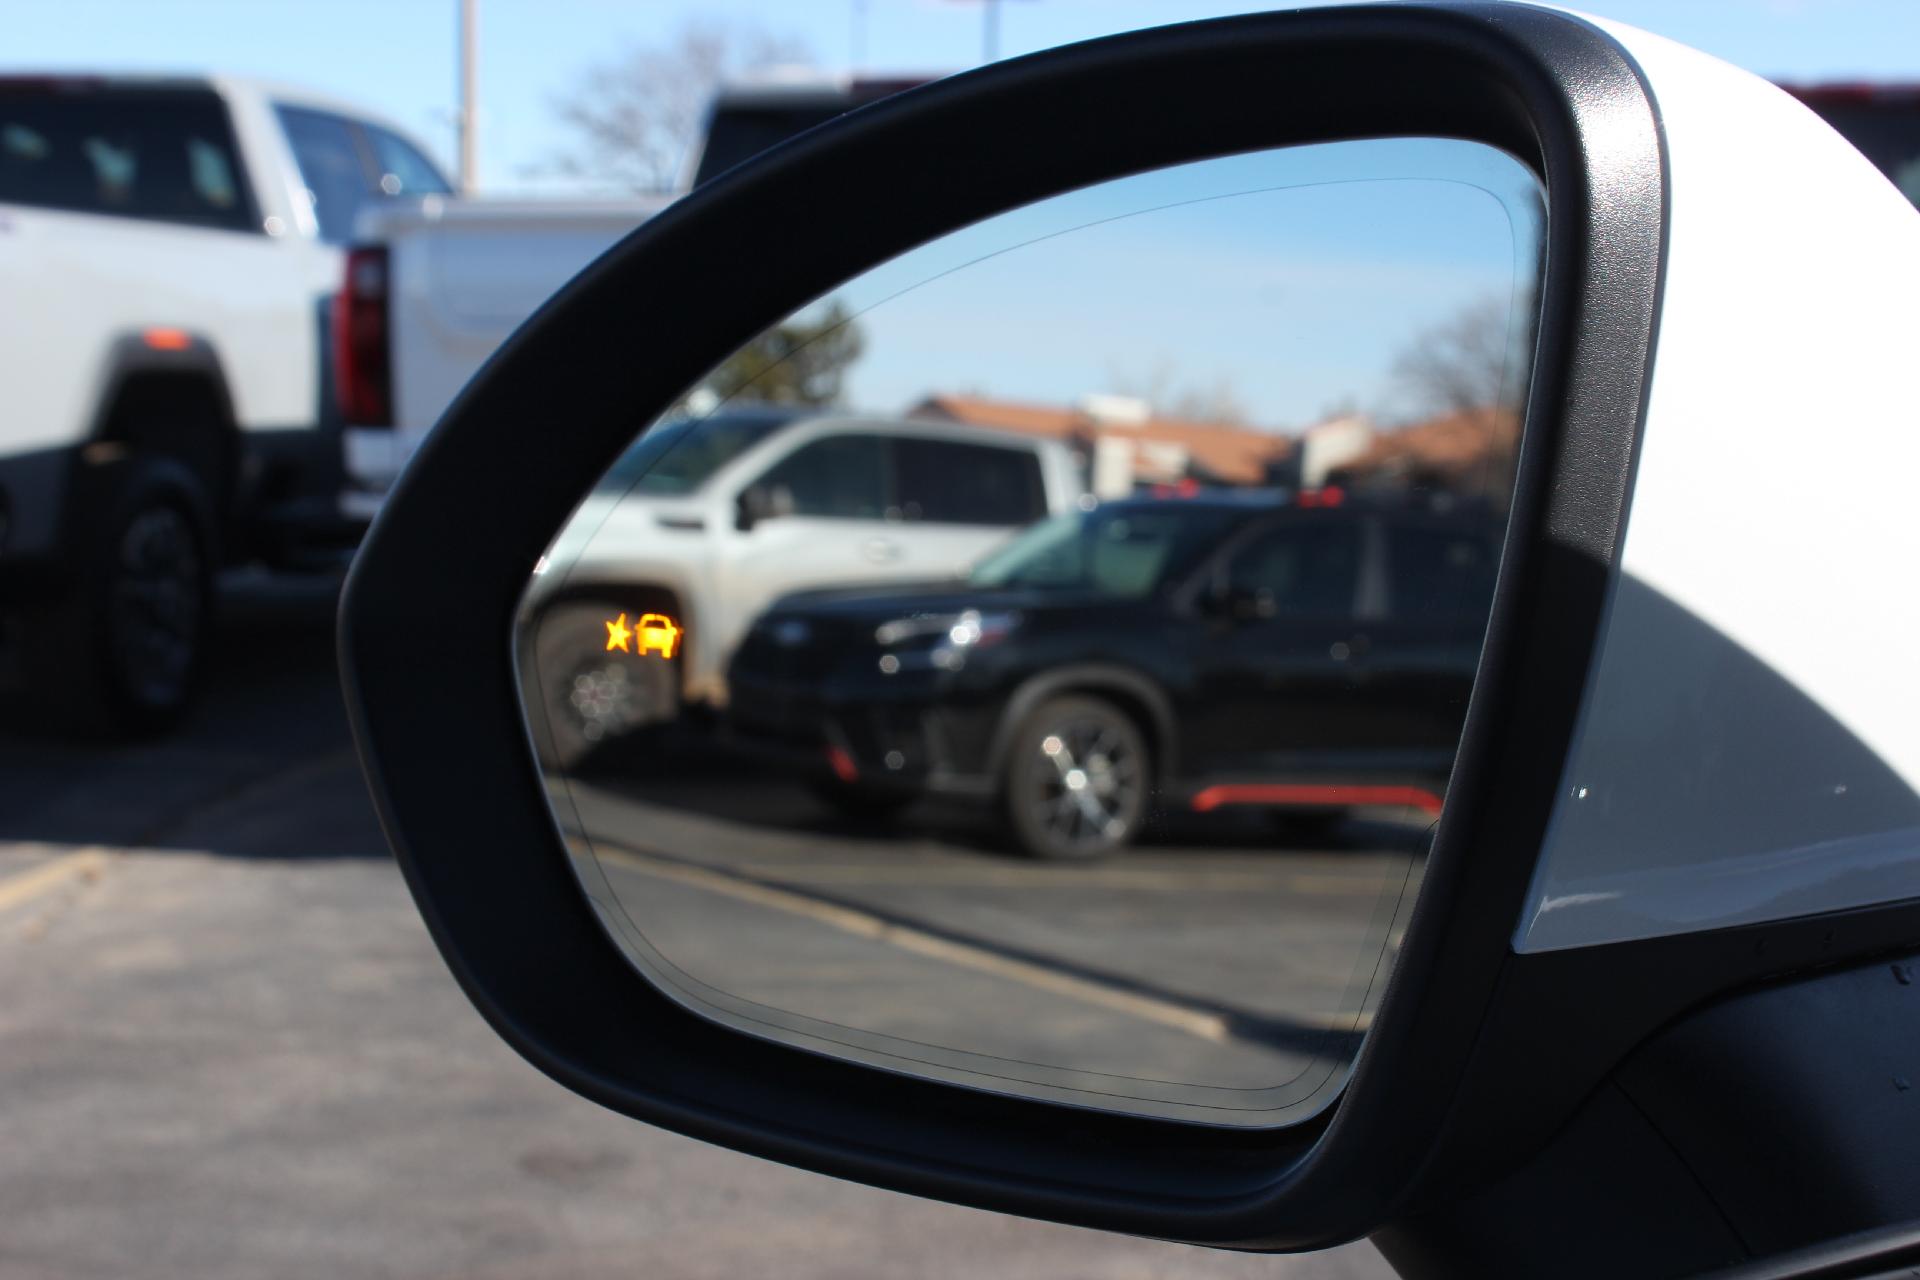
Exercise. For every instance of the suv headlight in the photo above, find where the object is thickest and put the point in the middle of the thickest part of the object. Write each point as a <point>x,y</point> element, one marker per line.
<point>969,628</point>
<point>953,636</point>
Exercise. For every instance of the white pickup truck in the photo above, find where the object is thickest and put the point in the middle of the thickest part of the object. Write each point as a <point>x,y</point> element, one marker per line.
<point>169,252</point>
<point>705,522</point>
<point>434,287</point>
<point>430,289</point>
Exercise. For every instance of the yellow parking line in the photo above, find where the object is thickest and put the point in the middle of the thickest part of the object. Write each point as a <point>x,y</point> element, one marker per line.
<point>28,885</point>
<point>1166,1013</point>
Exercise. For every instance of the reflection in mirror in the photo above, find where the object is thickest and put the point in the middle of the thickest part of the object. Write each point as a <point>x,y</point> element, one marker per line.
<point>1039,663</point>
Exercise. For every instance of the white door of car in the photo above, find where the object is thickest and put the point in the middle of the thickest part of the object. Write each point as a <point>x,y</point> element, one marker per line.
<point>959,499</point>
<point>854,508</point>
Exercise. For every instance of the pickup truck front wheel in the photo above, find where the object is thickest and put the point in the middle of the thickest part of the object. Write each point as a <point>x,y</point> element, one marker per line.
<point>118,652</point>
<point>596,692</point>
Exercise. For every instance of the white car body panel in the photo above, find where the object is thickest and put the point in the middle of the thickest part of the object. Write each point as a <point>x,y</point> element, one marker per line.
<point>463,275</point>
<point>1769,546</point>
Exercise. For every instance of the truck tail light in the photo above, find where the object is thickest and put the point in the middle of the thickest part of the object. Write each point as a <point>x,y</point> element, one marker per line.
<point>362,344</point>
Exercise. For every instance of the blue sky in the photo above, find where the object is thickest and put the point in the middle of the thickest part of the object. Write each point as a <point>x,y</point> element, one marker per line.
<point>1291,279</point>
<point>397,55</point>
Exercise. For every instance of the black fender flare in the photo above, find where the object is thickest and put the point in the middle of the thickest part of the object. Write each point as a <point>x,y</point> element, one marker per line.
<point>177,353</point>
<point>182,352</point>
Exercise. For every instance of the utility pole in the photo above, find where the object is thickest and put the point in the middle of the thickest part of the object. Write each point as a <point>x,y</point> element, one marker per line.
<point>989,28</point>
<point>859,36</point>
<point>469,99</point>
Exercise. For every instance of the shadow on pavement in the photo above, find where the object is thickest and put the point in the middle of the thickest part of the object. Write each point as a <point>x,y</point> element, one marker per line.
<point>263,767</point>
<point>685,767</point>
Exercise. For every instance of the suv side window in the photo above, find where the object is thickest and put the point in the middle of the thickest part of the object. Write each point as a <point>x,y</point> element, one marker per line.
<point>1440,571</point>
<point>330,164</point>
<point>1299,568</point>
<point>162,154</point>
<point>837,477</point>
<point>403,170</point>
<point>948,482</point>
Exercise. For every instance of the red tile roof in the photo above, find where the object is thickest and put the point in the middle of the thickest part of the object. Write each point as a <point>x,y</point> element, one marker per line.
<point>1460,450</point>
<point>1228,452</point>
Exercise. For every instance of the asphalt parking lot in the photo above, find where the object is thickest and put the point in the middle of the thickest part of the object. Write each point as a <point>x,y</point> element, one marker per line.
<point>227,1047</point>
<point>1215,960</point>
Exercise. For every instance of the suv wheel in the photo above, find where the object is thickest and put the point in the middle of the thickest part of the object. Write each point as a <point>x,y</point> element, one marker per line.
<point>1076,779</point>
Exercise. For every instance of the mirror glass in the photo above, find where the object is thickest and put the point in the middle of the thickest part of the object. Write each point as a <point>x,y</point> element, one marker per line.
<point>1039,662</point>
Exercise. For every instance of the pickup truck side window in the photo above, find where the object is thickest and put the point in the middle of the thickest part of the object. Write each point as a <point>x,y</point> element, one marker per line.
<point>166,155</point>
<point>838,477</point>
<point>950,482</point>
<point>403,170</point>
<point>1434,572</point>
<point>330,165</point>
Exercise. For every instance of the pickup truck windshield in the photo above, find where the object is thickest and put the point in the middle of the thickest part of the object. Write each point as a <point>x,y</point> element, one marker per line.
<point>163,154</point>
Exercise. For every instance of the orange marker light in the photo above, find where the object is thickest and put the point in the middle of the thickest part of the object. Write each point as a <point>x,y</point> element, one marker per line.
<point>167,339</point>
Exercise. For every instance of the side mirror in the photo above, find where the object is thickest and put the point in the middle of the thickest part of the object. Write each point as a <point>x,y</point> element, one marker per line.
<point>760,502</point>
<point>754,505</point>
<point>1261,1046</point>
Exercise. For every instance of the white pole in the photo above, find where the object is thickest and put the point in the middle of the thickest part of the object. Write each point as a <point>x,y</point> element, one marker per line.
<point>469,99</point>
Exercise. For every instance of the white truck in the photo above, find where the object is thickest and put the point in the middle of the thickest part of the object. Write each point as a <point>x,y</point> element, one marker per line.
<point>428,291</point>
<point>705,522</point>
<point>169,251</point>
<point>433,287</point>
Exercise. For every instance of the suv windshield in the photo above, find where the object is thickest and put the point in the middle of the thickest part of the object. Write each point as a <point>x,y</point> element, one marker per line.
<point>1125,551</point>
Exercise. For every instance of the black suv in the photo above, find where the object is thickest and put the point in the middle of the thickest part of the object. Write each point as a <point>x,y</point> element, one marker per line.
<point>1243,648</point>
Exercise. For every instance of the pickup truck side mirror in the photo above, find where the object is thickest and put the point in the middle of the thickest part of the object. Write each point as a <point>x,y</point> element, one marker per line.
<point>754,504</point>
<point>760,502</point>
<point>1676,769</point>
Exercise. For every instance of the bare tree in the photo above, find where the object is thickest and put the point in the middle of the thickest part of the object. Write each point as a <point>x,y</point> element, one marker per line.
<point>801,361</point>
<point>635,118</point>
<point>1161,388</point>
<point>1461,365</point>
<point>1458,379</point>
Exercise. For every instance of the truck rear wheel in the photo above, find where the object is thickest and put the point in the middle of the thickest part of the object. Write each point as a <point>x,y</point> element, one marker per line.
<point>118,651</point>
